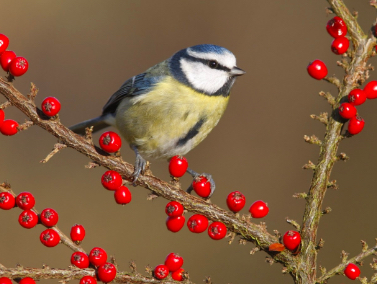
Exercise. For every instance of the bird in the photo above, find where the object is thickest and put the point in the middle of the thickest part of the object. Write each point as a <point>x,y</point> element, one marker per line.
<point>171,107</point>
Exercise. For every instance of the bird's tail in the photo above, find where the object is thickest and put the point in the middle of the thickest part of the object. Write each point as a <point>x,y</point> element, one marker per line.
<point>98,123</point>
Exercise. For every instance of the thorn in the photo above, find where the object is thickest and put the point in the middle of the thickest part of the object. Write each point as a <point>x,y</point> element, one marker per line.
<point>344,256</point>
<point>5,105</point>
<point>333,80</point>
<point>254,250</point>
<point>302,195</point>
<point>326,211</point>
<point>309,165</point>
<point>332,185</point>
<point>284,270</point>
<point>364,246</point>
<point>242,241</point>
<point>373,265</point>
<point>149,270</point>
<point>25,125</point>
<point>323,270</point>
<point>313,140</point>
<point>33,92</point>
<point>344,64</point>
<point>88,135</point>
<point>133,266</point>
<point>113,261</point>
<point>207,280</point>
<point>323,117</point>
<point>330,99</point>
<point>355,14</point>
<point>91,165</point>
<point>231,235</point>
<point>57,148</point>
<point>263,226</point>
<point>320,244</point>
<point>269,260</point>
<point>342,157</point>
<point>329,11</point>
<point>277,234</point>
<point>151,196</point>
<point>2,267</point>
<point>293,223</point>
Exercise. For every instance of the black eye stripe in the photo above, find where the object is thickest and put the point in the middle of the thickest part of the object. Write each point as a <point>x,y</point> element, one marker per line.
<point>206,62</point>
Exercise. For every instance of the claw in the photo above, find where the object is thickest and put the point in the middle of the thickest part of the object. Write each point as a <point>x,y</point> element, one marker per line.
<point>140,165</point>
<point>207,176</point>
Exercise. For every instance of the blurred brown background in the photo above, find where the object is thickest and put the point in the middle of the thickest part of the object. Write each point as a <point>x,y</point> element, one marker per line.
<point>82,51</point>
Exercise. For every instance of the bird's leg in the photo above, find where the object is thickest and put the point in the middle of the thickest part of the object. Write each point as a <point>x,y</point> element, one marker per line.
<point>140,164</point>
<point>207,176</point>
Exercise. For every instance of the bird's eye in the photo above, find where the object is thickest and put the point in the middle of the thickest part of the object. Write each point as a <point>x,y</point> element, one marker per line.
<point>213,64</point>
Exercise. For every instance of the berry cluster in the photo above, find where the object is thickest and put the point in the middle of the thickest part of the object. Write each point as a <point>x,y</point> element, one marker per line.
<point>15,65</point>
<point>337,28</point>
<point>173,263</point>
<point>112,180</point>
<point>26,280</point>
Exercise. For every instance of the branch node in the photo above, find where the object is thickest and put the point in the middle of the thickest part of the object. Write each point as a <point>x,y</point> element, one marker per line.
<point>133,266</point>
<point>149,270</point>
<point>326,211</point>
<point>254,250</point>
<point>91,165</point>
<point>302,195</point>
<point>323,270</point>
<point>330,99</point>
<point>344,256</point>
<point>309,165</point>
<point>33,92</point>
<point>231,235</point>
<point>332,185</point>
<point>333,80</point>
<point>277,234</point>
<point>320,244</point>
<point>313,140</point>
<point>88,135</point>
<point>270,260</point>
<point>322,117</point>
<point>364,246</point>
<point>293,223</point>
<point>25,125</point>
<point>242,241</point>
<point>284,270</point>
<point>5,105</point>
<point>57,148</point>
<point>151,196</point>
<point>342,157</point>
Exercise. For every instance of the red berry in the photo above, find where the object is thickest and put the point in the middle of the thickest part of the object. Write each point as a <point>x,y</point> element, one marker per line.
<point>202,186</point>
<point>28,219</point>
<point>178,166</point>
<point>291,240</point>
<point>97,256</point>
<point>336,27</point>
<point>88,280</point>
<point>27,280</point>
<point>317,69</point>
<point>51,106</point>
<point>217,230</point>
<point>371,90</point>
<point>173,261</point>
<point>2,116</point>
<point>106,272</point>
<point>175,224</point>
<point>347,110</point>
<point>340,45</point>
<point>7,200</point>
<point>4,42</point>
<point>6,58</point>
<point>161,271</point>
<point>25,200</point>
<point>111,180</point>
<point>110,142</point>
<point>259,209</point>
<point>197,223</point>
<point>5,280</point>
<point>235,201</point>
<point>18,66</point>
<point>357,97</point>
<point>9,127</point>
<point>50,238</point>
<point>352,271</point>
<point>177,275</point>
<point>173,209</point>
<point>80,259</point>
<point>77,233</point>
<point>49,217</point>
<point>122,195</point>
<point>355,125</point>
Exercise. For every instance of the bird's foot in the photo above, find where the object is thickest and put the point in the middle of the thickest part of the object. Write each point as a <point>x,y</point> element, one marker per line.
<point>140,165</point>
<point>196,175</point>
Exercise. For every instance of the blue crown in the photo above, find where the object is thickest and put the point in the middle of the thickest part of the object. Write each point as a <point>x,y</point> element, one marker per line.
<point>204,48</point>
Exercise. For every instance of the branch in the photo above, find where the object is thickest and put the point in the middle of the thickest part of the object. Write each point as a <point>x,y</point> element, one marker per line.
<point>249,231</point>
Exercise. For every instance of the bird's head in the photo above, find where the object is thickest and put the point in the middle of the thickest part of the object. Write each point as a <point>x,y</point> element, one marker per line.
<point>207,68</point>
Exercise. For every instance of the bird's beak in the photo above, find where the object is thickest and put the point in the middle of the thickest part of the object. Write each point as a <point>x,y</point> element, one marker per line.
<point>235,71</point>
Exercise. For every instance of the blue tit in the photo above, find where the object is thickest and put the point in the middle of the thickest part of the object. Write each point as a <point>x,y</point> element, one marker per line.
<point>171,107</point>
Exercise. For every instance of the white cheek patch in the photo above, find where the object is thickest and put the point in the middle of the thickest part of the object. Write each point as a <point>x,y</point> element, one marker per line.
<point>226,59</point>
<point>202,77</point>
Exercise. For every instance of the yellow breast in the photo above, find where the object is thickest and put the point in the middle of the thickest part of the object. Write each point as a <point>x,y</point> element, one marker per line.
<point>169,120</point>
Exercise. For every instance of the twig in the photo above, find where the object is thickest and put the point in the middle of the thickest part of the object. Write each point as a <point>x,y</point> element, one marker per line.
<point>57,148</point>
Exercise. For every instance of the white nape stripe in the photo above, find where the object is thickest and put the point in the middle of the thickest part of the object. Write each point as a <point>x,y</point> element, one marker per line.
<point>202,77</point>
<point>226,59</point>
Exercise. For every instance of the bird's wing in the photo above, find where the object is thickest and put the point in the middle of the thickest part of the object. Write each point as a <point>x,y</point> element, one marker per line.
<point>137,85</point>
